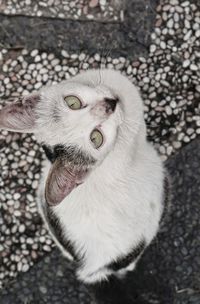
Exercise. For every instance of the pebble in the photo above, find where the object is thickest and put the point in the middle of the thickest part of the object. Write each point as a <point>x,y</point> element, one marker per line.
<point>16,196</point>
<point>25,268</point>
<point>152,48</point>
<point>93,3</point>
<point>170,23</point>
<point>194,67</point>
<point>163,45</point>
<point>197,33</point>
<point>55,62</point>
<point>186,63</point>
<point>34,53</point>
<point>22,228</point>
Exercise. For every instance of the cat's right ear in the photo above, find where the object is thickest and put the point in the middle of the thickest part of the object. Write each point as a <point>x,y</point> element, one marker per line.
<point>20,116</point>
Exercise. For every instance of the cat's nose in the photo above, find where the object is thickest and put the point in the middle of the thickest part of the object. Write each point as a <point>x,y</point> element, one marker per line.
<point>110,104</point>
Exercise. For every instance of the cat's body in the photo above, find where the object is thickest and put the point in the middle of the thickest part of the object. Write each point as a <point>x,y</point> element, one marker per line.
<point>107,217</point>
<point>112,222</point>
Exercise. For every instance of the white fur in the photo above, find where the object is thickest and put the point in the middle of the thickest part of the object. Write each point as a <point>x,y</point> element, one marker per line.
<point>121,201</point>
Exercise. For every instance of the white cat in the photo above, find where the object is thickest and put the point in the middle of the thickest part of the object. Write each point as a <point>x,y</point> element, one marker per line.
<point>102,193</point>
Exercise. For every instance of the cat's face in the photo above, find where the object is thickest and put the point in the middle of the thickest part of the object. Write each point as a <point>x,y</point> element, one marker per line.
<point>81,121</point>
<point>80,116</point>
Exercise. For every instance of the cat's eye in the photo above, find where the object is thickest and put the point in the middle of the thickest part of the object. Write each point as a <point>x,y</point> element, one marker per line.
<point>96,138</point>
<point>73,102</point>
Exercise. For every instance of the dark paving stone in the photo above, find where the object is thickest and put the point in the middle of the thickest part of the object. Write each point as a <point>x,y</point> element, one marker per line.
<point>50,281</point>
<point>77,9</point>
<point>168,272</point>
<point>130,38</point>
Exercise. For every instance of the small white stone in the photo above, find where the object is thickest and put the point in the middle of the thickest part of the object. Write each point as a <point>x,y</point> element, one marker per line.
<point>198,88</point>
<point>176,144</point>
<point>25,268</point>
<point>186,63</point>
<point>58,68</point>
<point>16,196</point>
<point>168,110</point>
<point>176,17</point>
<point>152,48</point>
<point>190,131</point>
<point>163,45</point>
<point>186,3</point>
<point>35,184</point>
<point>185,78</point>
<point>21,228</point>
<point>37,86</point>
<point>29,241</point>
<point>97,57</point>
<point>37,58</point>
<point>186,139</point>
<point>188,35</point>
<point>197,33</point>
<point>45,77</point>
<point>187,24</point>
<point>30,197</point>
<point>55,62</point>
<point>81,56</point>
<point>31,66</point>
<point>34,53</point>
<point>42,239</point>
<point>43,71</point>
<point>146,79</point>
<point>129,69</point>
<point>170,23</point>
<point>64,54</point>
<point>47,248</point>
<point>17,213</point>
<point>193,67</point>
<point>6,80</point>
<point>19,266</point>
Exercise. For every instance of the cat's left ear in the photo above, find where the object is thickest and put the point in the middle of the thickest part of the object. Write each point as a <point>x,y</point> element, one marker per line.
<point>20,116</point>
<point>62,180</point>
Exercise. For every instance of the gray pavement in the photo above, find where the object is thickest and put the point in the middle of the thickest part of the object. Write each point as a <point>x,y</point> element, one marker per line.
<point>129,38</point>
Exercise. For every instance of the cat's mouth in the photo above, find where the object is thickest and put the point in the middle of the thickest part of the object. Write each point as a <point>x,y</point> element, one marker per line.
<point>70,167</point>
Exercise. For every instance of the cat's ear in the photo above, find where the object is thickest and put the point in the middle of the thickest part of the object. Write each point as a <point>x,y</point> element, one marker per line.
<point>61,180</point>
<point>20,115</point>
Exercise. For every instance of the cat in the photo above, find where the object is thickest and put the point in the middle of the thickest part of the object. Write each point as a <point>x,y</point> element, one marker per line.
<point>103,188</point>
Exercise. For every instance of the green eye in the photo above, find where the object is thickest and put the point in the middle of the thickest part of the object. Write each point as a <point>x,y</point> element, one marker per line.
<point>73,102</point>
<point>96,138</point>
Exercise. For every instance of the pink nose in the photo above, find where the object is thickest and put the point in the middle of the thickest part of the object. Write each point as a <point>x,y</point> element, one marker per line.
<point>104,108</point>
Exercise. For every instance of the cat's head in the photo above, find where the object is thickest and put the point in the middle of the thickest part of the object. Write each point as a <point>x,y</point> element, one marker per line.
<point>79,122</point>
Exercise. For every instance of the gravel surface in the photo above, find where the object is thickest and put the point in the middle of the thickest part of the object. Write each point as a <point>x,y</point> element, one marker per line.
<point>102,10</point>
<point>169,82</point>
<point>168,272</point>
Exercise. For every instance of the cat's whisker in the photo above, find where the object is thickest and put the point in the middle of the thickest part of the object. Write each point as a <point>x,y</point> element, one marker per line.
<point>101,59</point>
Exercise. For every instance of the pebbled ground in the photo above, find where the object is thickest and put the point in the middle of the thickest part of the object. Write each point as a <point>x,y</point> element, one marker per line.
<point>169,271</point>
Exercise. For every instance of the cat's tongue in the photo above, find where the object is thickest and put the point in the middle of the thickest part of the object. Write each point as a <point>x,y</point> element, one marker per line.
<point>62,179</point>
